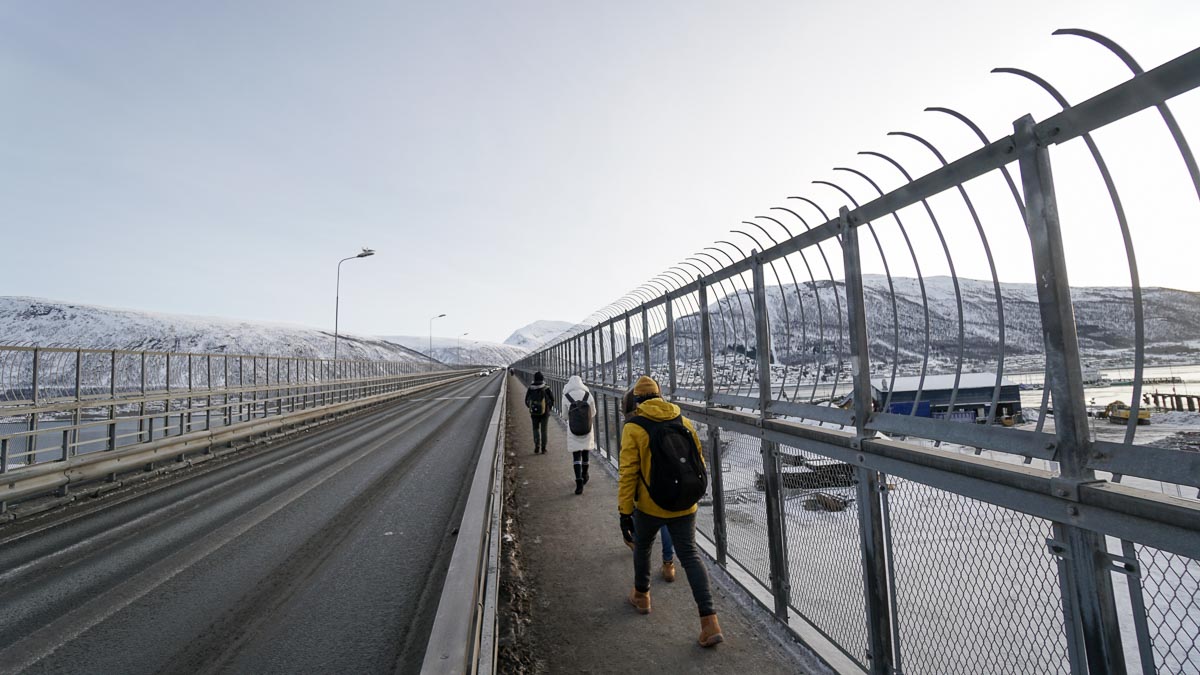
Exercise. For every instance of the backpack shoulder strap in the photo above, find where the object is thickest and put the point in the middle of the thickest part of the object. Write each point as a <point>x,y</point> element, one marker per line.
<point>643,422</point>
<point>571,400</point>
<point>586,395</point>
<point>649,426</point>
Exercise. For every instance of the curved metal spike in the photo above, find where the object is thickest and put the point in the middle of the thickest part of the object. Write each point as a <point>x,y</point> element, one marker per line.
<point>1134,278</point>
<point>921,284</point>
<point>800,300</point>
<point>737,295</point>
<point>787,319</point>
<point>949,263</point>
<point>887,273</point>
<point>837,297</point>
<point>1008,178</point>
<point>1168,117</point>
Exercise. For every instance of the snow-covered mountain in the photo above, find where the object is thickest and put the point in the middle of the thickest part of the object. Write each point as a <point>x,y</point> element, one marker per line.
<point>537,334</point>
<point>466,351</point>
<point>53,323</point>
<point>808,324</point>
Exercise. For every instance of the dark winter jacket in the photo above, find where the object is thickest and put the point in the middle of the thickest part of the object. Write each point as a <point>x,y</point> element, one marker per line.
<point>539,391</point>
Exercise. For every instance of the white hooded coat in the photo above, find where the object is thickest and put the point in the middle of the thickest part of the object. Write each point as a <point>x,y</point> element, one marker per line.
<point>577,390</point>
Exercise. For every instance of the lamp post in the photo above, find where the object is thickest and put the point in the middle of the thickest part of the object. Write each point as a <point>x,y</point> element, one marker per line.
<point>460,352</point>
<point>431,339</point>
<point>366,253</point>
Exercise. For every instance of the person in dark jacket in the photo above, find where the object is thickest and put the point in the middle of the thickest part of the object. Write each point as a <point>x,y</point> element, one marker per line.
<point>540,401</point>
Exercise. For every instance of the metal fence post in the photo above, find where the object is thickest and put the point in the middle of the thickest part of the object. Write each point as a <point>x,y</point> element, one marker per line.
<point>672,376</point>
<point>1088,581</point>
<point>142,403</point>
<point>776,532</point>
<point>182,429</point>
<point>77,416</point>
<point>720,533</point>
<point>705,342</point>
<point>646,341</point>
<point>612,343</point>
<point>592,360</point>
<point>872,539</point>
<point>31,444</point>
<point>208,398</point>
<point>112,396</point>
<point>628,352</point>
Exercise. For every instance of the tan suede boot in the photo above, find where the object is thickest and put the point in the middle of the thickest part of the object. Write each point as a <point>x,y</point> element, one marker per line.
<point>710,631</point>
<point>669,571</point>
<point>640,601</point>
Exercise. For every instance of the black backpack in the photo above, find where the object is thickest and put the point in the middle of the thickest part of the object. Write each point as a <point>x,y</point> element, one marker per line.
<point>537,403</point>
<point>677,476</point>
<point>579,415</point>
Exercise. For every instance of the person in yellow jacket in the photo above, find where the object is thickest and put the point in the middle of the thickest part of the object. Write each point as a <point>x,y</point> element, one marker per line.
<point>640,513</point>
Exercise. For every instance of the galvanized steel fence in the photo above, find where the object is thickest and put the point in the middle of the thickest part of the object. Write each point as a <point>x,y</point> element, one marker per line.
<point>899,538</point>
<point>58,404</point>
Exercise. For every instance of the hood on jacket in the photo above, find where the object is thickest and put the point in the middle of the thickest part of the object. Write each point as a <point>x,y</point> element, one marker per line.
<point>658,409</point>
<point>575,384</point>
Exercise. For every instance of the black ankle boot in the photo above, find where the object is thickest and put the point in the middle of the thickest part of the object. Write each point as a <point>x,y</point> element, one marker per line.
<point>579,487</point>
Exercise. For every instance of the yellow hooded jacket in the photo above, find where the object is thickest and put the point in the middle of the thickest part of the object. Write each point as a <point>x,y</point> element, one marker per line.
<point>635,460</point>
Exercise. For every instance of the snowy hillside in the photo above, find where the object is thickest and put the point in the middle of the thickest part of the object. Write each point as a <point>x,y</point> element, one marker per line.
<point>452,351</point>
<point>53,323</point>
<point>537,334</point>
<point>811,327</point>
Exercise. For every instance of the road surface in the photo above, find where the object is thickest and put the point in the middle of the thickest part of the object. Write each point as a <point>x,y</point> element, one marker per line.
<point>324,554</point>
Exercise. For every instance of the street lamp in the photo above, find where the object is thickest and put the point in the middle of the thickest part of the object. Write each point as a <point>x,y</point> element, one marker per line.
<point>460,352</point>
<point>431,339</point>
<point>366,253</point>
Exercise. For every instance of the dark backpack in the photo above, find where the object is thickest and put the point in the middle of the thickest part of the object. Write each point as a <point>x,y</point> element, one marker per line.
<point>537,404</point>
<point>677,476</point>
<point>579,415</point>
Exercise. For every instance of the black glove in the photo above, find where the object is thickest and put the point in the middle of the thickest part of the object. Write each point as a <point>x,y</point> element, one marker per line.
<point>627,528</point>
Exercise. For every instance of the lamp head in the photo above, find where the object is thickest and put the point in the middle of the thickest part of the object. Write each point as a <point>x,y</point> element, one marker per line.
<point>366,253</point>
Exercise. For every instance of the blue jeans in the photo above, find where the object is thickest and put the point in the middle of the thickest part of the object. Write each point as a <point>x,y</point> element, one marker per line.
<point>668,547</point>
<point>683,536</point>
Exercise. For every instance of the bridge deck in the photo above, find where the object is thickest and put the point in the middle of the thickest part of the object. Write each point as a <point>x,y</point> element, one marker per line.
<point>578,572</point>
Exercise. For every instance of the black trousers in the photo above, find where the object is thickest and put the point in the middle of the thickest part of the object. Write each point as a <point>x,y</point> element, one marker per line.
<point>540,431</point>
<point>683,535</point>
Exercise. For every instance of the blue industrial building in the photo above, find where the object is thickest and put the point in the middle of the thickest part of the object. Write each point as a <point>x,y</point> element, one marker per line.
<point>971,403</point>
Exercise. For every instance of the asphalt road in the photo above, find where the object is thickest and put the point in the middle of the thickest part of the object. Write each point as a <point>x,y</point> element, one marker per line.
<point>326,554</point>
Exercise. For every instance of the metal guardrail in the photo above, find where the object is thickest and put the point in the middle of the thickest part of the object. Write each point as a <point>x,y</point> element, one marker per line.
<point>462,639</point>
<point>905,542</point>
<point>70,416</point>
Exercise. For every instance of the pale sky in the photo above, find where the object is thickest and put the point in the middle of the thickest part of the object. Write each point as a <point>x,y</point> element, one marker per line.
<point>513,161</point>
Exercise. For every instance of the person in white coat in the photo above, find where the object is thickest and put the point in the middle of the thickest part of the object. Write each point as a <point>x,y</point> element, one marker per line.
<point>579,409</point>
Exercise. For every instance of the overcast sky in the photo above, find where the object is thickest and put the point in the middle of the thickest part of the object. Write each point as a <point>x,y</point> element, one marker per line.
<point>513,161</point>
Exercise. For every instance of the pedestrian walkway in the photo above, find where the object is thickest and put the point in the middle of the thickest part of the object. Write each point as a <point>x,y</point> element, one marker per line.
<point>579,572</point>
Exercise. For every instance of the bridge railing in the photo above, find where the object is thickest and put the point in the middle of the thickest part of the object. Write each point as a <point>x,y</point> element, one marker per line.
<point>847,492</point>
<point>63,408</point>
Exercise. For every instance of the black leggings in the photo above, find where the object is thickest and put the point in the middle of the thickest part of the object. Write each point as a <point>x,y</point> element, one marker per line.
<point>580,458</point>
